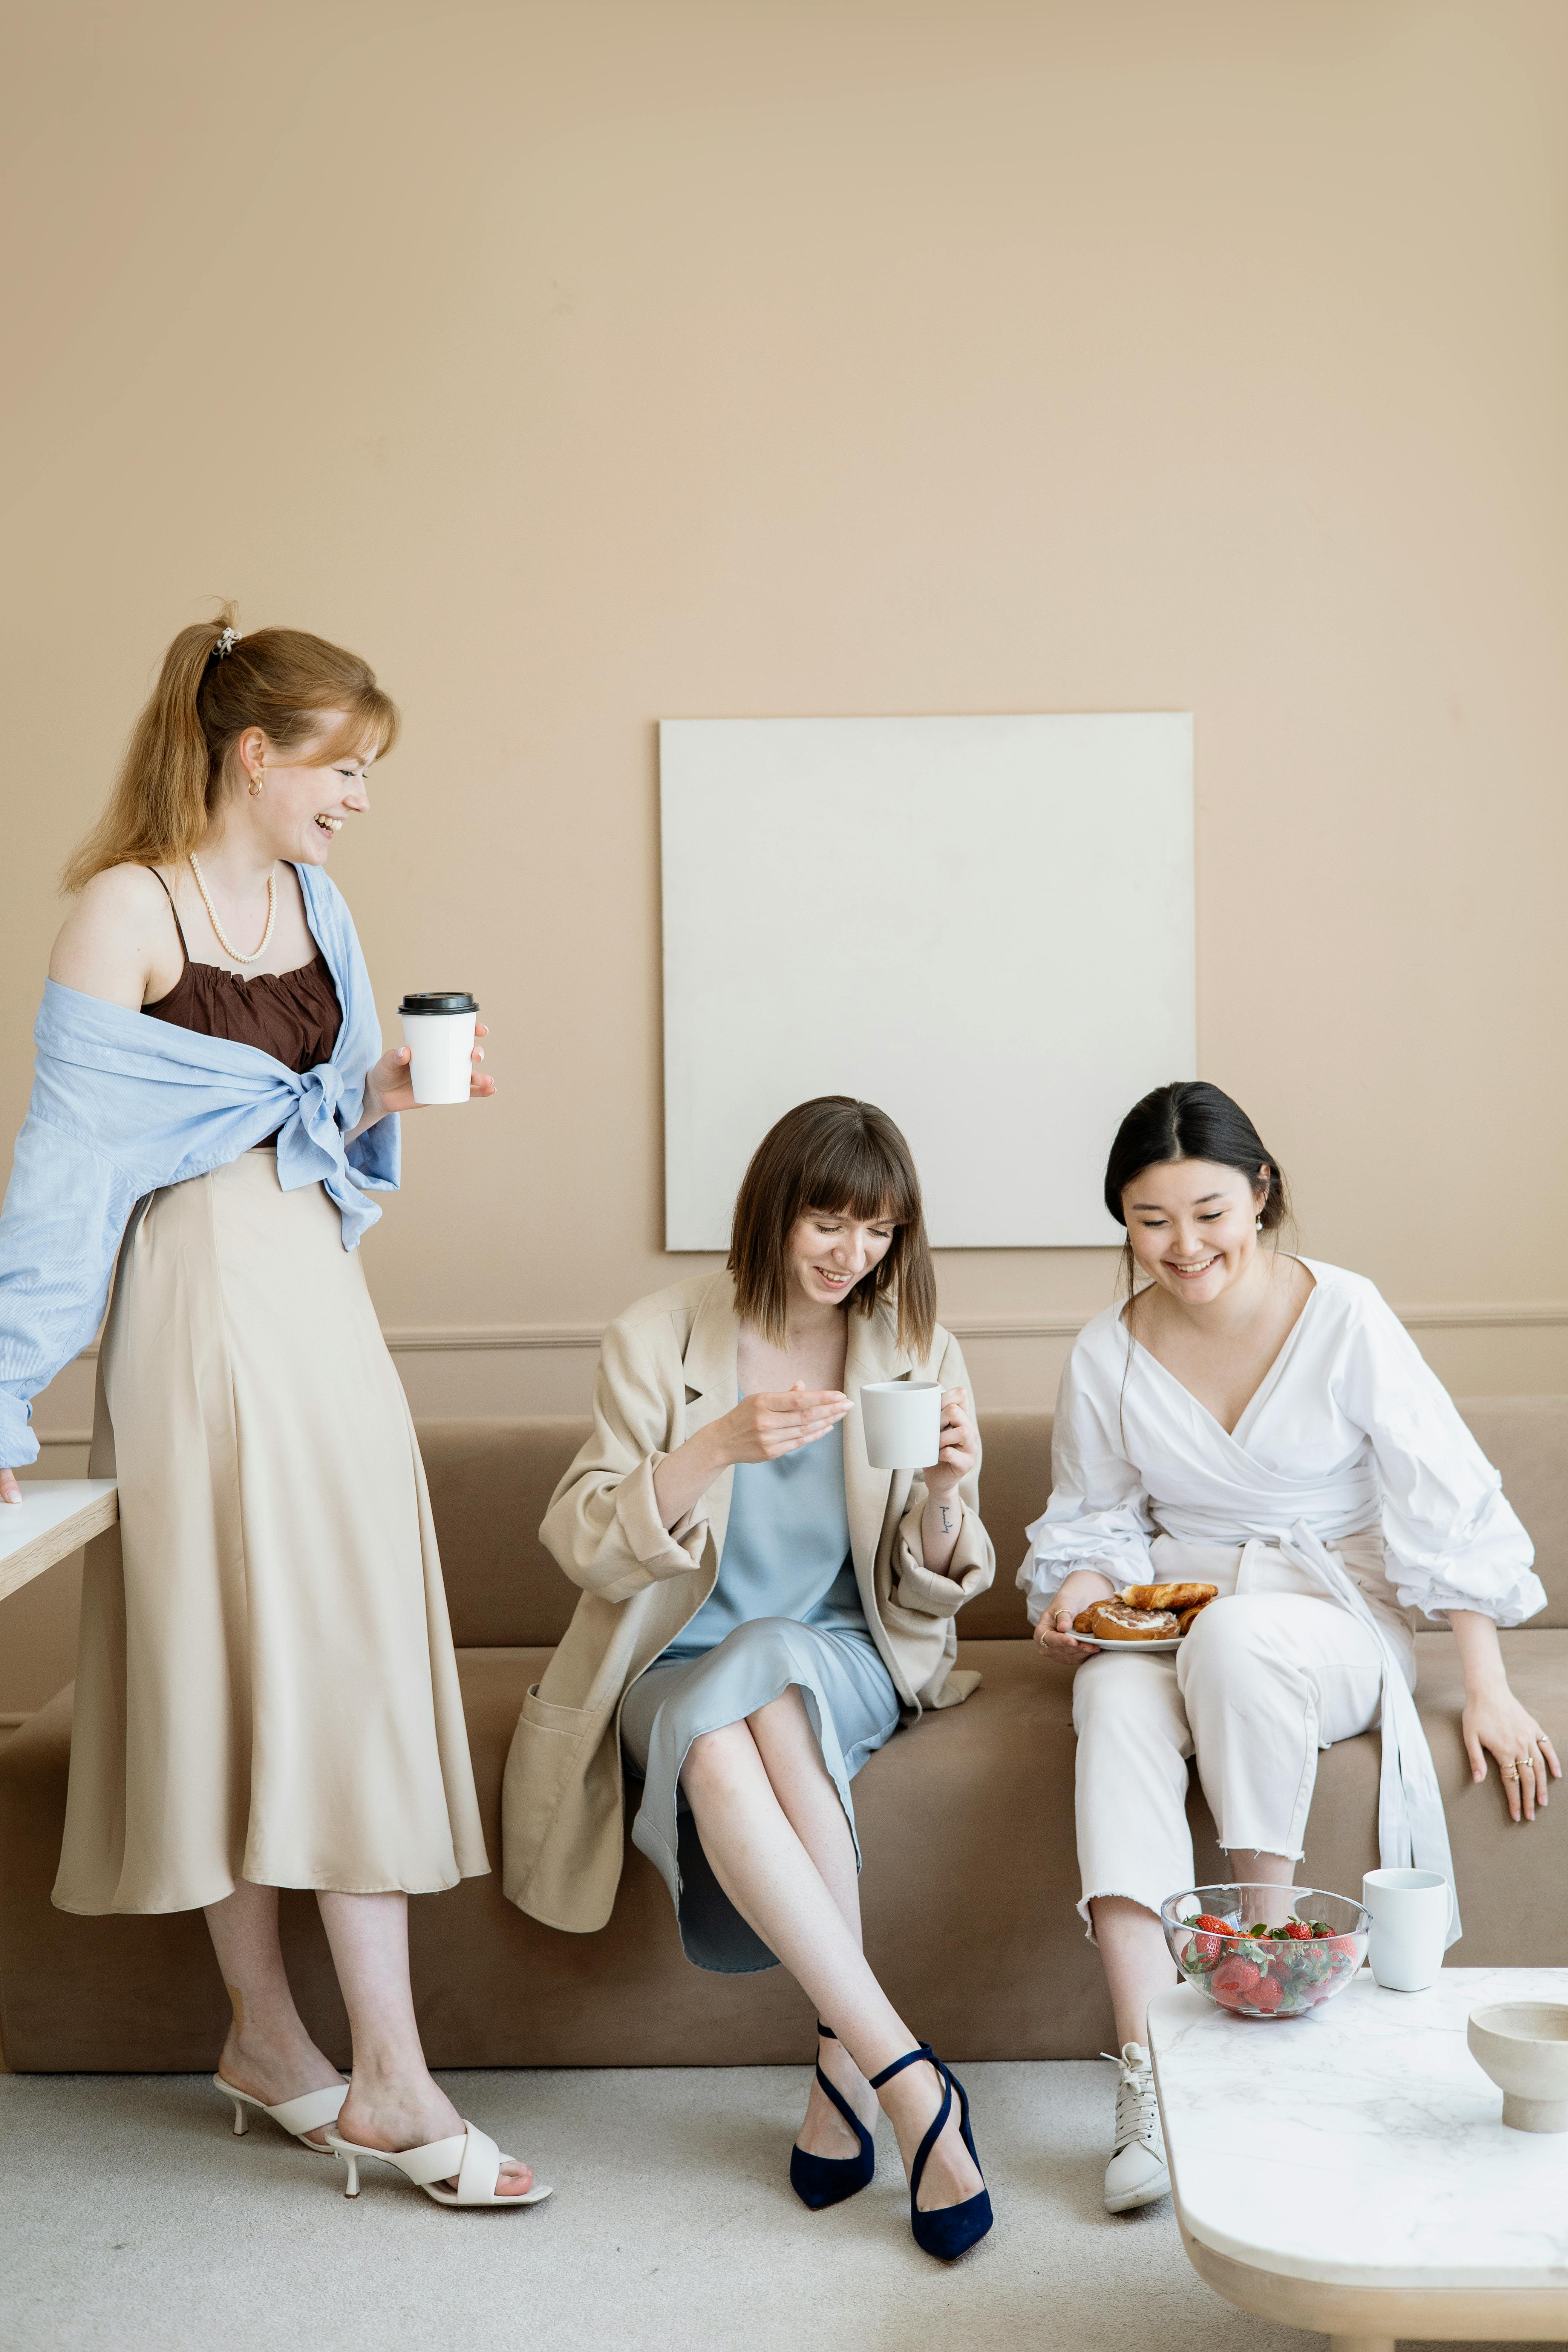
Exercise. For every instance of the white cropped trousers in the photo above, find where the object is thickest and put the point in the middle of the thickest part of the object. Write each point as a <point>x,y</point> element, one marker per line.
<point>1262,1681</point>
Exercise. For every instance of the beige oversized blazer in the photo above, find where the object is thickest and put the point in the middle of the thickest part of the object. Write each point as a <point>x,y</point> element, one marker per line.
<point>667,1367</point>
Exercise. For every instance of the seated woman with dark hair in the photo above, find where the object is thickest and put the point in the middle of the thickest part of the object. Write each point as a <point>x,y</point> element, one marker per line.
<point>1260,1425</point>
<point>761,1609</point>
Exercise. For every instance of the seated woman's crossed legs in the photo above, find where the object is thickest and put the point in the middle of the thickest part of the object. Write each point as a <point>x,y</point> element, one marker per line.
<point>775,1833</point>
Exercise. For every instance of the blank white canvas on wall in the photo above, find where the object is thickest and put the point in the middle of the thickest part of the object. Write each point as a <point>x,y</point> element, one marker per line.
<point>985,925</point>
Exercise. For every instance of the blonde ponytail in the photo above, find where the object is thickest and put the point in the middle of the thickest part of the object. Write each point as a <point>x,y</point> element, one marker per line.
<point>214,684</point>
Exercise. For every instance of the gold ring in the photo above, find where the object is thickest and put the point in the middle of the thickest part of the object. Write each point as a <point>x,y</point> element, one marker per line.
<point>1510,1772</point>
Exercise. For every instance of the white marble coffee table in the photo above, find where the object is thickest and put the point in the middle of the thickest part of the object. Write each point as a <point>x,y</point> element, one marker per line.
<point>1350,2171</point>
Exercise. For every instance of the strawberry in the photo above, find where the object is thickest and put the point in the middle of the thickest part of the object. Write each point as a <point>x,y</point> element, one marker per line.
<point>1236,1978</point>
<point>1208,1944</point>
<point>1296,1930</point>
<point>1267,1995</point>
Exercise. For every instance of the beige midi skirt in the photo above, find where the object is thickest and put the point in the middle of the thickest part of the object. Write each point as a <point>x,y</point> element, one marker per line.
<point>265,1684</point>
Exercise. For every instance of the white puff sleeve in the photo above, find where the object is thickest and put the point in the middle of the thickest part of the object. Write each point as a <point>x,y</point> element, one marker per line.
<point>1097,1515</point>
<point>1453,1540</point>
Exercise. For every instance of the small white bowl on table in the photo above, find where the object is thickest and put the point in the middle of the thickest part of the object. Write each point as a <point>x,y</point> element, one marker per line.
<point>1350,2171</point>
<point>1524,2046</point>
<point>55,1517</point>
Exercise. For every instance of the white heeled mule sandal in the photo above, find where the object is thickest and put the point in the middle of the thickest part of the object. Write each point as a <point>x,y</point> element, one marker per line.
<point>471,2158</point>
<point>306,2114</point>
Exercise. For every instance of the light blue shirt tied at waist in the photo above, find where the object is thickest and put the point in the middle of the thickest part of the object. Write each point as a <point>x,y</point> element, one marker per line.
<point>123,1104</point>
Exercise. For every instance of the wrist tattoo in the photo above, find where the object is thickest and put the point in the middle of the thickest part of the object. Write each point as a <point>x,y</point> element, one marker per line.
<point>946,1518</point>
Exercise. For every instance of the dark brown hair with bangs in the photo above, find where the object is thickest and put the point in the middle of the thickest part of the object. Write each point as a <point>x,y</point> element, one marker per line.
<point>213,686</point>
<point>847,1158</point>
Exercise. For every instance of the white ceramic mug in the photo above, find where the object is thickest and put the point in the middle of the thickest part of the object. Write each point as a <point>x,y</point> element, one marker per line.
<point>1410,1912</point>
<point>438,1030</point>
<point>903,1424</point>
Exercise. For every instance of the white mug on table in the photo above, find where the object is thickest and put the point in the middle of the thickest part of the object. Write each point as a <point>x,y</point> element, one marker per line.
<point>1410,1913</point>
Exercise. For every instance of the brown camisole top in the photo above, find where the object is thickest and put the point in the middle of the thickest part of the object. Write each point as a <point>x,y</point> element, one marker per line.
<point>295,1015</point>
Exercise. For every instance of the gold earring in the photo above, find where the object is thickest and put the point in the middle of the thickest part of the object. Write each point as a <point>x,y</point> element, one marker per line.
<point>255,784</point>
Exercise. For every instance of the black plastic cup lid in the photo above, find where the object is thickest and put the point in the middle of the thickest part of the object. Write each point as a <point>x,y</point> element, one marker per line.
<point>441,1000</point>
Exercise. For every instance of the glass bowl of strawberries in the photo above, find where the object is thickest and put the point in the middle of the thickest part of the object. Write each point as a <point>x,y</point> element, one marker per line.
<point>1266,1951</point>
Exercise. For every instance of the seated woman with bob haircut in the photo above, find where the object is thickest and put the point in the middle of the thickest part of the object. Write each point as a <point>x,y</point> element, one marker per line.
<point>761,1610</point>
<point>1262,1427</point>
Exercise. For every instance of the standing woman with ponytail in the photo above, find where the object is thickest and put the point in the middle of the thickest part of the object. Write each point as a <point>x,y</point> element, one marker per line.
<point>265,1692</point>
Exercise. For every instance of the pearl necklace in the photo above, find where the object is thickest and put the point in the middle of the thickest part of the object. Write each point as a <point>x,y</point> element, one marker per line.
<point>233,952</point>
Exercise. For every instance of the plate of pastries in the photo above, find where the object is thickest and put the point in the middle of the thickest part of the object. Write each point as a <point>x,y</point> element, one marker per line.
<point>1144,1616</point>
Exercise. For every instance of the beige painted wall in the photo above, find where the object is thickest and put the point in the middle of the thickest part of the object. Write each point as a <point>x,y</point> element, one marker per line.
<point>590,362</point>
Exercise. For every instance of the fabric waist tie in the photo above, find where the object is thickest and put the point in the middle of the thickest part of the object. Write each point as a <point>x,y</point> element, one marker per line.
<point>1412,1828</point>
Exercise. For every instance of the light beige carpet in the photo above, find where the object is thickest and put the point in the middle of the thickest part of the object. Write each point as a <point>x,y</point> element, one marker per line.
<point>130,2218</point>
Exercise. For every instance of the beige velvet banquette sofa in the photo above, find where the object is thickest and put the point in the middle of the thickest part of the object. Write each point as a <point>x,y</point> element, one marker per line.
<point>966,1823</point>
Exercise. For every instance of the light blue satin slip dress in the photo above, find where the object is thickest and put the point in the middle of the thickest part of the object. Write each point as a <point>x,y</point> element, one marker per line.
<point>785,1610</point>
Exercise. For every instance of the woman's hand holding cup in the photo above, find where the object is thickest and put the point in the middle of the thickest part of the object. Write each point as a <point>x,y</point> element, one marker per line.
<point>388,1086</point>
<point>960,1445</point>
<point>762,1428</point>
<point>1054,1633</point>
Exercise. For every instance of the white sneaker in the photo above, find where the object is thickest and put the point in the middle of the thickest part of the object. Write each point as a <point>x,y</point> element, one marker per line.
<point>1137,2173</point>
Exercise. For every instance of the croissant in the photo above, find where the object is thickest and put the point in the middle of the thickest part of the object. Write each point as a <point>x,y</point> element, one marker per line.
<point>1168,1596</point>
<point>1187,1615</point>
<point>1114,1621</point>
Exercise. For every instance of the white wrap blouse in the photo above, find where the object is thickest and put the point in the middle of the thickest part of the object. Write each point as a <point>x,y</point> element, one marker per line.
<point>1350,1429</point>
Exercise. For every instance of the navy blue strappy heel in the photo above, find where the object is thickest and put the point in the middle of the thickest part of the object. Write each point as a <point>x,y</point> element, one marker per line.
<point>951,2229</point>
<point>820,2181</point>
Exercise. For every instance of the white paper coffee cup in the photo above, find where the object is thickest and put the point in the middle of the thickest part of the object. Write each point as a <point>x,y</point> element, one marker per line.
<point>903,1424</point>
<point>1410,1912</point>
<point>438,1030</point>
